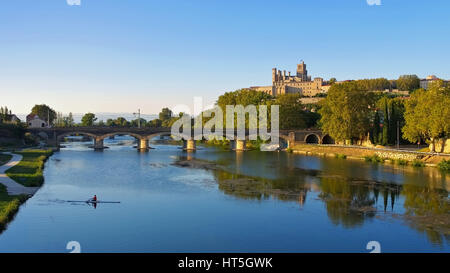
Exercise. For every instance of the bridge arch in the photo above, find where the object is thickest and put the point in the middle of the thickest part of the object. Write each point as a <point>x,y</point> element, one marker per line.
<point>150,137</point>
<point>62,136</point>
<point>137,136</point>
<point>42,135</point>
<point>312,139</point>
<point>326,139</point>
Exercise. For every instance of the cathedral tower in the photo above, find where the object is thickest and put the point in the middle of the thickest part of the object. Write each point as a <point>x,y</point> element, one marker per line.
<point>302,72</point>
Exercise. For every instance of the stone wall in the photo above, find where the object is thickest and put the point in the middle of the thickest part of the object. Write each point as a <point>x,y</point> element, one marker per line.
<point>398,155</point>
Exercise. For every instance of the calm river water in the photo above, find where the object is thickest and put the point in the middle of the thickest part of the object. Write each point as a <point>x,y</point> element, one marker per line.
<point>253,202</point>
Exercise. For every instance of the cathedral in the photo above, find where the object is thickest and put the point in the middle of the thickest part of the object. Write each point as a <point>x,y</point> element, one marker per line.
<point>299,83</point>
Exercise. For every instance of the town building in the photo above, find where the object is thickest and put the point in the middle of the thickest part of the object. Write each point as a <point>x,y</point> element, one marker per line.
<point>34,121</point>
<point>425,83</point>
<point>300,83</point>
<point>10,119</point>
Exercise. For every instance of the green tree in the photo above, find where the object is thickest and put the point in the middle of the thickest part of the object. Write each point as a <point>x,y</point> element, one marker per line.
<point>245,97</point>
<point>376,128</point>
<point>332,81</point>
<point>70,121</point>
<point>155,123</point>
<point>292,115</point>
<point>135,122</point>
<point>5,114</point>
<point>88,119</point>
<point>346,111</point>
<point>427,114</point>
<point>110,122</point>
<point>165,114</point>
<point>44,112</point>
<point>408,83</point>
<point>122,122</point>
<point>379,84</point>
<point>385,105</point>
<point>59,120</point>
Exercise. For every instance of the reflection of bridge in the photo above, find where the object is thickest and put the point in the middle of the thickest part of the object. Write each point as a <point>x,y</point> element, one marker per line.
<point>53,136</point>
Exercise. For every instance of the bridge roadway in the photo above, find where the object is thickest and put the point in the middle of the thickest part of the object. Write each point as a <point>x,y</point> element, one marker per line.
<point>54,136</point>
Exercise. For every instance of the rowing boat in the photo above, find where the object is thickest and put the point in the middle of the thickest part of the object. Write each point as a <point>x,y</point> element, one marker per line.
<point>95,202</point>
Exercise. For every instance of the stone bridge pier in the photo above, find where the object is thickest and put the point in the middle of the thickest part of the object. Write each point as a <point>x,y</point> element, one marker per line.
<point>189,145</point>
<point>98,143</point>
<point>239,145</point>
<point>143,145</point>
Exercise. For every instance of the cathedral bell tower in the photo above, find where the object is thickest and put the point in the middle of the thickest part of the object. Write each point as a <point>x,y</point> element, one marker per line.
<point>302,73</point>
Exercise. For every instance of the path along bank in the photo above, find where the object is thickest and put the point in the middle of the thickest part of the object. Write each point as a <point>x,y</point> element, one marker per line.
<point>20,178</point>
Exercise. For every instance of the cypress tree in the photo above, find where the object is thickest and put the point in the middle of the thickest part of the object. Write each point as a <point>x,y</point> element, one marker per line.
<point>385,140</point>
<point>376,128</point>
<point>392,124</point>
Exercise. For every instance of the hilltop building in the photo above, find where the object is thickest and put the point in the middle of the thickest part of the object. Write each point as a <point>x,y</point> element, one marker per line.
<point>300,83</point>
<point>425,83</point>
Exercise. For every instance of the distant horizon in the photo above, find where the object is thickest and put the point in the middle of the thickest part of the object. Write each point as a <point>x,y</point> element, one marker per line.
<point>100,116</point>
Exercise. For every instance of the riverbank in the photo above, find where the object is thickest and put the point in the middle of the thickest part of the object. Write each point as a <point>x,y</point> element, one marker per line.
<point>20,181</point>
<point>29,171</point>
<point>9,206</point>
<point>4,158</point>
<point>372,155</point>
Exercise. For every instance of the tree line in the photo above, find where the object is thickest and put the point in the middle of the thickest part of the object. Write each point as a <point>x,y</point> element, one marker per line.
<point>350,114</point>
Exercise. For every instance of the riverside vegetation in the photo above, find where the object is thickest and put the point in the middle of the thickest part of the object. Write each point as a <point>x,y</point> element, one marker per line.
<point>28,173</point>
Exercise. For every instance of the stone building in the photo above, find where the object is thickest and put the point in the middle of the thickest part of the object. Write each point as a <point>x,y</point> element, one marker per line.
<point>34,121</point>
<point>283,83</point>
<point>425,83</point>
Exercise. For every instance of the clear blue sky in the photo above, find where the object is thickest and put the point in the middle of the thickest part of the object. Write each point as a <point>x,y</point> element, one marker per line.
<point>117,56</point>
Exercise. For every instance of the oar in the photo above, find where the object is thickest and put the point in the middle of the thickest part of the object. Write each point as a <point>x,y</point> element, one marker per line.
<point>109,202</point>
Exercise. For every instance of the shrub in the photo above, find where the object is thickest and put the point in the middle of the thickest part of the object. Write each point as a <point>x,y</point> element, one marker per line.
<point>418,163</point>
<point>444,165</point>
<point>373,159</point>
<point>341,156</point>
<point>401,162</point>
<point>9,205</point>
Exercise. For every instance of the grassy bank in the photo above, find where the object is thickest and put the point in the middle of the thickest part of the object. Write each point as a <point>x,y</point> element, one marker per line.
<point>29,172</point>
<point>4,159</point>
<point>9,205</point>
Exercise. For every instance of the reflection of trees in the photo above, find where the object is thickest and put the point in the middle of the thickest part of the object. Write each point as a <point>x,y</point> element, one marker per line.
<point>349,202</point>
<point>248,187</point>
<point>428,211</point>
<point>346,204</point>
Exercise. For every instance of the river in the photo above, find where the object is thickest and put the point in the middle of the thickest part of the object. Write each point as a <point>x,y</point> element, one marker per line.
<point>252,202</point>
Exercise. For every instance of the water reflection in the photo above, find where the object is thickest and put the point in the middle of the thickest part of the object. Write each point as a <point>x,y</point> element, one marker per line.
<point>351,194</point>
<point>217,200</point>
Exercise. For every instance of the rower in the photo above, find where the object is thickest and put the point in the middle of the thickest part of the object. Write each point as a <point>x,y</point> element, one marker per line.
<point>93,199</point>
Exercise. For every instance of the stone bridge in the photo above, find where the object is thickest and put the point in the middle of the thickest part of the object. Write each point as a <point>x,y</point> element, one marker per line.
<point>54,136</point>
<point>308,136</point>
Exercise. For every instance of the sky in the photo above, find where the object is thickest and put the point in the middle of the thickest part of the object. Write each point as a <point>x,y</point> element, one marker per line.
<point>120,56</point>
